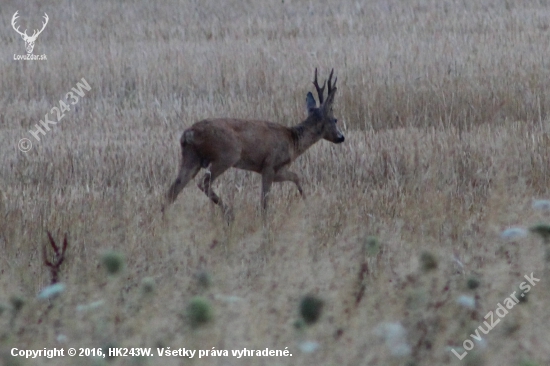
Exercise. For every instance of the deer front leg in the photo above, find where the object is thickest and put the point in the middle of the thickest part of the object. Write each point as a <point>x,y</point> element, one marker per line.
<point>284,175</point>
<point>267,179</point>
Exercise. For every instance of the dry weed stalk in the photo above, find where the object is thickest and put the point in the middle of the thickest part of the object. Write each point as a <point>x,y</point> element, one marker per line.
<point>58,257</point>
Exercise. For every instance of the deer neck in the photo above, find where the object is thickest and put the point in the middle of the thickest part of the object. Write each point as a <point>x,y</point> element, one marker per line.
<point>306,134</point>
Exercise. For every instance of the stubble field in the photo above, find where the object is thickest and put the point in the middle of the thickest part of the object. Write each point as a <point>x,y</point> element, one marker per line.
<point>444,105</point>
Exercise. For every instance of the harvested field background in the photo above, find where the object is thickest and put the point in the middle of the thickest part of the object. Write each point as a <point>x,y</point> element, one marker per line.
<point>445,107</point>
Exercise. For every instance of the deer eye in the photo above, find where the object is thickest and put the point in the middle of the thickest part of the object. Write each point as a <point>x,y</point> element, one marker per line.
<point>335,120</point>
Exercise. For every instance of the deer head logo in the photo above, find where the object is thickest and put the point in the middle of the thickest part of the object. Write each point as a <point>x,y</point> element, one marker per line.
<point>29,40</point>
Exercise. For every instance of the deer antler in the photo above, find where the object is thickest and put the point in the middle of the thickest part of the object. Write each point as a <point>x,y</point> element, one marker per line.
<point>35,35</point>
<point>36,32</point>
<point>331,86</point>
<point>320,90</point>
<point>13,20</point>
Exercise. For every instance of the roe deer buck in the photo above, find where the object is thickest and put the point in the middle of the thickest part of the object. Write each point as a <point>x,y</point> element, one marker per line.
<point>262,147</point>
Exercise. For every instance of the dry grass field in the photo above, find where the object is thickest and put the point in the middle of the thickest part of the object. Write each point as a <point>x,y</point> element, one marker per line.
<point>445,106</point>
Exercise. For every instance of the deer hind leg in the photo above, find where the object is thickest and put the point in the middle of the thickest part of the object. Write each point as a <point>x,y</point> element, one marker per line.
<point>205,185</point>
<point>190,166</point>
<point>284,175</point>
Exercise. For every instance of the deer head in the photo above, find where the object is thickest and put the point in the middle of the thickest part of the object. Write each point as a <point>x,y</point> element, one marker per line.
<point>324,113</point>
<point>29,40</point>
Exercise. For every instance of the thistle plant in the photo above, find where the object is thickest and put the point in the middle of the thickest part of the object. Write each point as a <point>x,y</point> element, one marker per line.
<point>17,303</point>
<point>113,262</point>
<point>428,262</point>
<point>371,246</point>
<point>542,230</point>
<point>527,362</point>
<point>51,291</point>
<point>514,233</point>
<point>204,280</point>
<point>199,312</point>
<point>148,285</point>
<point>311,308</point>
<point>472,283</point>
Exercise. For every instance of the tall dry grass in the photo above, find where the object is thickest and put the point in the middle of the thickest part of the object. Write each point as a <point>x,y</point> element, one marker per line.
<point>444,106</point>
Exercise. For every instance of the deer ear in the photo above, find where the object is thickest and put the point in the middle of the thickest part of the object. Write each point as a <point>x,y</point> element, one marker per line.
<point>310,103</point>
